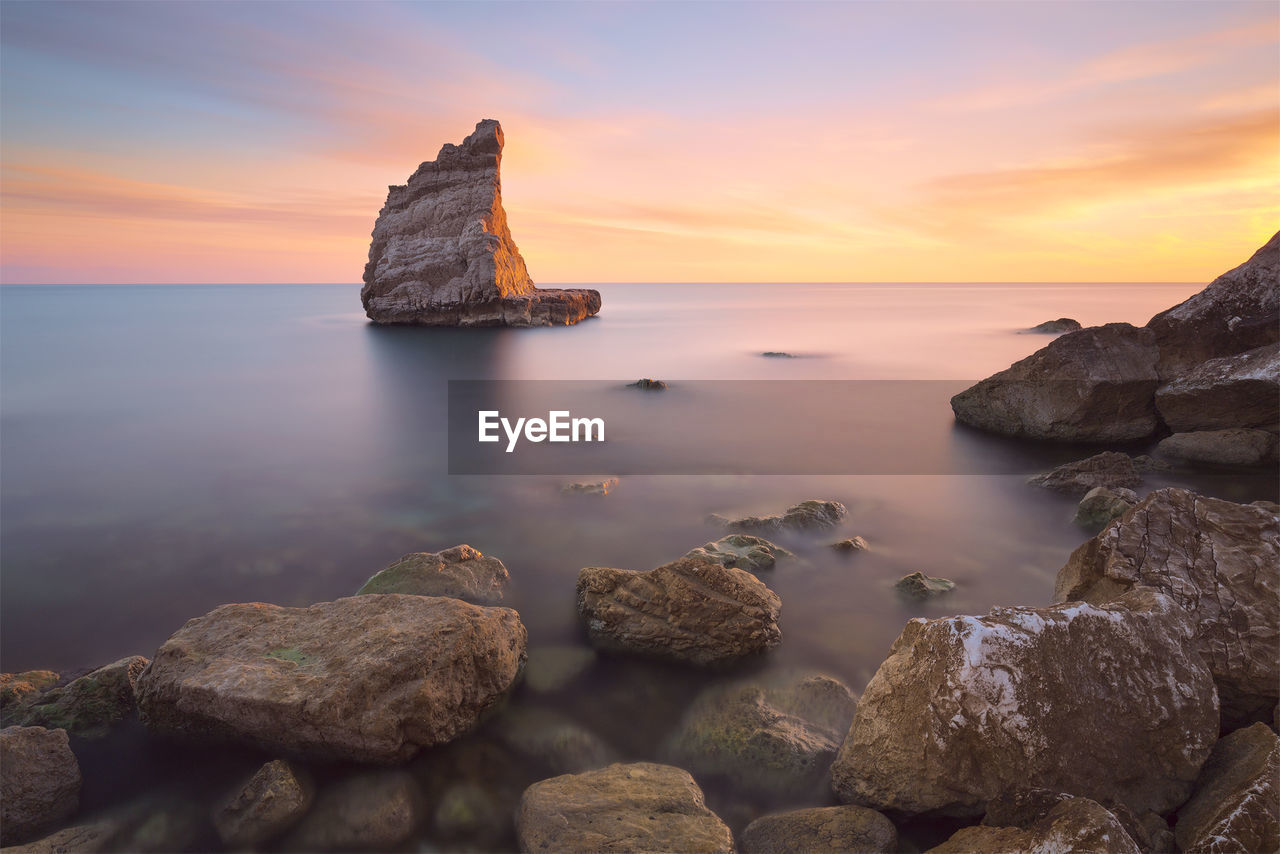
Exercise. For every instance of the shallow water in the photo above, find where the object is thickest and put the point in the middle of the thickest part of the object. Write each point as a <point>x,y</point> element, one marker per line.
<point>166,449</point>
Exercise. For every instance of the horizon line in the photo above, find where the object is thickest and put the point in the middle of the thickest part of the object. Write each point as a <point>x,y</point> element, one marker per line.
<point>555,285</point>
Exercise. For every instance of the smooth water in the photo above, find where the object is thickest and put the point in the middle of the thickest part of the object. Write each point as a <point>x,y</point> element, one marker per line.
<point>166,449</point>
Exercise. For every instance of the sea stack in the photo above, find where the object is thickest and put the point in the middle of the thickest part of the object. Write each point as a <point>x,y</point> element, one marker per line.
<point>442,254</point>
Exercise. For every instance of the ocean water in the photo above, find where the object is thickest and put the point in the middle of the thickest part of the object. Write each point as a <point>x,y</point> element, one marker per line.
<point>166,449</point>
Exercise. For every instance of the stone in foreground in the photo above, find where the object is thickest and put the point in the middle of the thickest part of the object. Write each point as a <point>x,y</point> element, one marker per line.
<point>1110,703</point>
<point>821,830</point>
<point>460,572</point>
<point>1068,826</point>
<point>692,610</point>
<point>1236,806</point>
<point>442,254</point>
<point>367,678</point>
<point>272,801</point>
<point>39,781</point>
<point>1109,469</point>
<point>1217,559</point>
<point>742,551</point>
<point>640,806</point>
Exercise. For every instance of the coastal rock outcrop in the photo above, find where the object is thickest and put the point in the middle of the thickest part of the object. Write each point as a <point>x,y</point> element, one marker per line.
<point>39,780</point>
<point>1108,469</point>
<point>1111,703</point>
<point>1233,391</point>
<point>1236,806</point>
<point>1066,825</point>
<point>442,254</point>
<point>366,678</point>
<point>640,806</point>
<point>743,551</point>
<point>821,830</point>
<point>1218,560</point>
<point>1237,446</point>
<point>460,572</point>
<point>692,610</point>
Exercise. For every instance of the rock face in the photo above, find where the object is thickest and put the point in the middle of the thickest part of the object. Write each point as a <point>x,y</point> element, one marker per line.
<point>1238,311</point>
<point>742,551</point>
<point>374,811</point>
<point>1067,826</point>
<point>39,780</point>
<point>272,801</point>
<point>1234,447</point>
<point>460,572</point>
<point>771,736</point>
<point>89,706</point>
<point>1236,806</point>
<point>1233,391</point>
<point>823,830</point>
<point>1109,469</point>
<point>691,610</point>
<point>442,254</point>
<point>1056,327</point>
<point>811,515</point>
<point>1100,505</point>
<point>367,678</point>
<point>637,807</point>
<point>1218,560</point>
<point>1095,385</point>
<point>1110,703</point>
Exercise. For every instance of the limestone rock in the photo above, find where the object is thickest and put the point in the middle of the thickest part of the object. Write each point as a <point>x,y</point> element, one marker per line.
<point>822,830</point>
<point>1070,825</point>
<point>691,610</point>
<point>460,572</point>
<point>1218,560</point>
<point>442,254</point>
<point>743,551</point>
<point>272,801</point>
<point>626,807</point>
<point>1056,327</point>
<point>1233,391</point>
<point>1110,469</point>
<point>1107,703</point>
<point>367,678</point>
<point>1233,447</point>
<point>917,585</point>
<point>89,706</point>
<point>811,515</point>
<point>1101,505</point>
<point>1095,385</point>
<point>39,780</point>
<point>372,811</point>
<point>774,735</point>
<point>1236,806</point>
<point>1238,311</point>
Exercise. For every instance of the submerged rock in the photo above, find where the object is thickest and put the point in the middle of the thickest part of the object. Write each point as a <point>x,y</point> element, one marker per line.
<point>811,515</point>
<point>691,610</point>
<point>1101,505</point>
<point>1233,391</point>
<point>552,740</point>
<point>776,354</point>
<point>648,384</point>
<point>460,572</point>
<point>774,736</point>
<point>554,667</point>
<point>635,807</point>
<point>89,706</point>
<point>1067,825</point>
<point>367,678</point>
<point>272,801</point>
<point>917,585</point>
<point>39,780</point>
<point>743,551</point>
<point>1234,447</point>
<point>852,544</point>
<point>1056,327</point>
<point>1109,469</point>
<point>1236,806</point>
<point>966,709</point>
<point>372,811</point>
<point>599,487</point>
<point>821,830</point>
<point>1218,560</point>
<point>442,254</point>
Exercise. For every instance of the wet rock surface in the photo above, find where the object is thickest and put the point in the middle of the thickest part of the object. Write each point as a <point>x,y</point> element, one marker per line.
<point>1234,447</point>
<point>1101,505</point>
<point>272,801</point>
<point>39,781</point>
<point>822,830</point>
<point>1233,391</point>
<point>1108,469</point>
<point>742,551</point>
<point>1236,806</point>
<point>460,572</point>
<point>919,586</point>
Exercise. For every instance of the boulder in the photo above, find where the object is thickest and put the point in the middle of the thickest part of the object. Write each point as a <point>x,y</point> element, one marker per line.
<point>742,551</point>
<point>442,254</point>
<point>551,740</point>
<point>1095,385</point>
<point>1232,391</point>
<point>19,690</point>
<point>648,384</point>
<point>917,585</point>
<point>1109,469</point>
<point>626,807</point>
<point>461,572</point>
<point>371,811</point>
<point>39,781</point>
<point>1236,806</point>
<point>1107,702</point>
<point>812,515</point>
<point>80,838</point>
<point>89,706</point>
<point>1068,825</point>
<point>367,678</point>
<point>1056,327</point>
<point>1217,559</point>
<point>1233,447</point>
<point>1100,505</point>
<point>851,544</point>
<point>821,830</point>
<point>772,736</point>
<point>272,801</point>
<point>598,487</point>
<point>1238,311</point>
<point>691,610</point>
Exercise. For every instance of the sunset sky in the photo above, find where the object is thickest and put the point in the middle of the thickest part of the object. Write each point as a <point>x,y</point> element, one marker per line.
<point>868,141</point>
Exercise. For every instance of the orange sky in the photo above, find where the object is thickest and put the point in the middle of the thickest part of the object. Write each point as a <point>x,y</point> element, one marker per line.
<point>649,142</point>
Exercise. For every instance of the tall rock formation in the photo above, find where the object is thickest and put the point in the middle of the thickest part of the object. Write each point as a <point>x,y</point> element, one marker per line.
<point>442,254</point>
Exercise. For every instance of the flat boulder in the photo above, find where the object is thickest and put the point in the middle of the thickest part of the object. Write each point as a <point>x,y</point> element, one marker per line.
<point>1218,560</point>
<point>39,781</point>
<point>366,678</point>
<point>460,572</point>
<point>639,806</point>
<point>692,610</point>
<point>1233,447</point>
<point>1067,825</point>
<point>967,709</point>
<point>811,515</point>
<point>821,830</point>
<point>1236,806</point>
<point>1109,469</point>
<point>1232,391</point>
<point>89,706</point>
<point>742,551</point>
<point>1056,327</point>
<point>1094,385</point>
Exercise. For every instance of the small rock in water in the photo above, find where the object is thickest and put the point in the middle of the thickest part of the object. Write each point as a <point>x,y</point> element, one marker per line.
<point>1100,505</point>
<point>917,585</point>
<point>742,551</point>
<point>372,811</point>
<point>1056,327</point>
<point>89,706</point>
<point>853,544</point>
<point>460,572</point>
<point>777,354</point>
<point>552,740</point>
<point>39,780</point>
<point>552,668</point>
<point>821,830</point>
<point>1144,463</point>
<point>600,487</point>
<point>272,801</point>
<point>811,515</point>
<point>1110,469</point>
<point>18,690</point>
<point>651,385</point>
